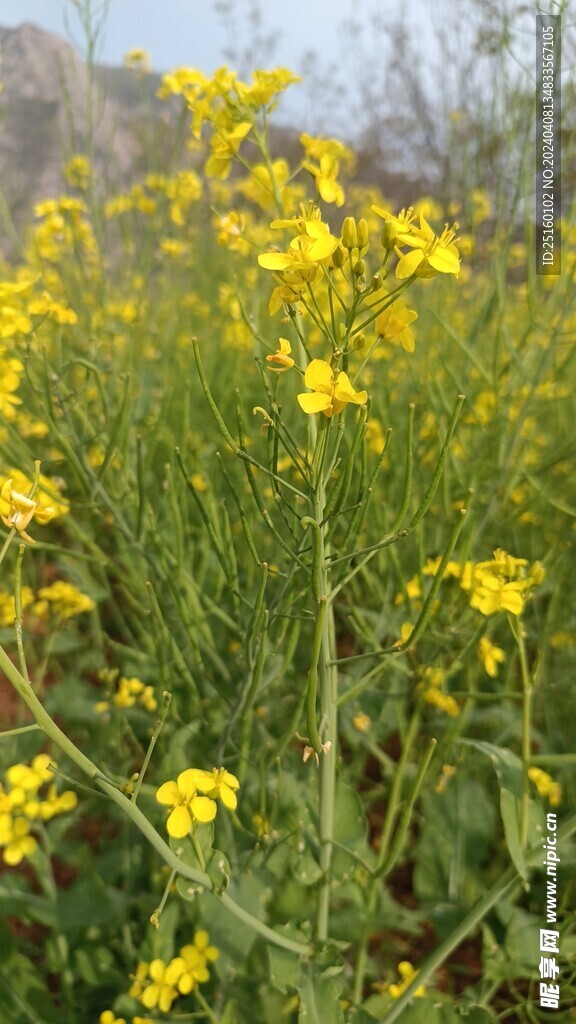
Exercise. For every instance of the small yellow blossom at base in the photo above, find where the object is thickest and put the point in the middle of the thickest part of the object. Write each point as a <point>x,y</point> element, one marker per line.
<point>361,722</point>
<point>491,656</point>
<point>546,786</point>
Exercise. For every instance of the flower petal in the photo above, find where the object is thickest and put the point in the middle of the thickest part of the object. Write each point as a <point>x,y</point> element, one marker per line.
<point>409,264</point>
<point>179,823</point>
<point>316,402</point>
<point>203,808</point>
<point>318,376</point>
<point>168,794</point>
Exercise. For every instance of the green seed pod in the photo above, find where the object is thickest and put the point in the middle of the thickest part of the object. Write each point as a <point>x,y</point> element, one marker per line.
<point>349,233</point>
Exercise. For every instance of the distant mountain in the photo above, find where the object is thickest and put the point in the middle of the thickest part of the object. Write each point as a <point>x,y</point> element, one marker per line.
<point>51,108</point>
<point>45,117</point>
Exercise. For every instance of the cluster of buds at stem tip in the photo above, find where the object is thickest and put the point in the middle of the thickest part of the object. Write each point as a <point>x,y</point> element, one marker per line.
<point>308,751</point>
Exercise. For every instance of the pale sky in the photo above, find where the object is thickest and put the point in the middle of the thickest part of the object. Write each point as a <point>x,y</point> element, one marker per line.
<point>190,32</point>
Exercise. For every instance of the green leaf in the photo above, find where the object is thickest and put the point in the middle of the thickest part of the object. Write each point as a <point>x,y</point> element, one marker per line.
<point>319,999</point>
<point>285,967</point>
<point>509,772</point>
<point>89,902</point>
<point>218,867</point>
<point>510,811</point>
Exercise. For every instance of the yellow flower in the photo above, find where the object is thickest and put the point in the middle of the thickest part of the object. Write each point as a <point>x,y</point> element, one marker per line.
<point>361,722</point>
<point>491,656</point>
<point>330,394</point>
<point>138,60</point>
<point>16,839</point>
<point>282,356</point>
<point>63,600</point>
<point>326,176</point>
<point>109,1017</point>
<point>17,510</point>
<point>407,974</point>
<point>77,171</point>
<point>546,786</point>
<point>491,594</point>
<point>432,254</point>
<point>217,784</point>
<point>305,251</point>
<point>393,324</point>
<point>186,805</point>
<point>196,956</point>
<point>162,989</point>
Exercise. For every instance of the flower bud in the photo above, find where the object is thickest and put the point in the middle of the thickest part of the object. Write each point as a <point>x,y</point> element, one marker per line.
<point>349,233</point>
<point>360,268</point>
<point>358,342</point>
<point>362,229</point>
<point>338,257</point>
<point>388,236</point>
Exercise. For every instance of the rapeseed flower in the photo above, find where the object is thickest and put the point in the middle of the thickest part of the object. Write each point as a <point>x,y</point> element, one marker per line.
<point>18,510</point>
<point>217,784</point>
<point>282,357</point>
<point>330,394</point>
<point>491,656</point>
<point>63,600</point>
<point>546,786</point>
<point>187,806</point>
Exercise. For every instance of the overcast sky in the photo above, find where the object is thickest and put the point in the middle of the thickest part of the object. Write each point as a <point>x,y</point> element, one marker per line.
<point>191,31</point>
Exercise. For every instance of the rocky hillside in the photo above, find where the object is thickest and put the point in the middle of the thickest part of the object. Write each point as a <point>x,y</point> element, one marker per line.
<point>49,110</point>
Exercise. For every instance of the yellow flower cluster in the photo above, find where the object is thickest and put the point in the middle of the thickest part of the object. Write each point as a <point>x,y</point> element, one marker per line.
<point>182,795</point>
<point>323,157</point>
<point>109,1017</point>
<point>431,685</point>
<point>62,601</point>
<point>128,692</point>
<point>158,984</point>
<point>407,974</point>
<point>77,171</point>
<point>502,583</point>
<point>431,254</point>
<point>63,230</point>
<point>546,786</point>
<point>230,106</point>
<point>21,804</point>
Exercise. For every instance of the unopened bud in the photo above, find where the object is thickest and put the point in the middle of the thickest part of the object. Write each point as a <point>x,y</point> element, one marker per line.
<point>388,236</point>
<point>358,342</point>
<point>360,268</point>
<point>338,257</point>
<point>362,229</point>
<point>349,233</point>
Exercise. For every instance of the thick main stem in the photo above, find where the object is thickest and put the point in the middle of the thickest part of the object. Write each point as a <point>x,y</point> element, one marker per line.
<point>328,688</point>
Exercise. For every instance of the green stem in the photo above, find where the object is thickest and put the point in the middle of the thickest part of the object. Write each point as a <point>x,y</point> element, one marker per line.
<point>133,812</point>
<point>527,690</point>
<point>381,861</point>
<point>157,730</point>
